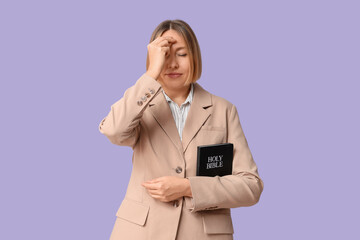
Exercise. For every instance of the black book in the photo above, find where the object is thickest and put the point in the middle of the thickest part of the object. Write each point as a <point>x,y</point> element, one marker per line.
<point>215,159</point>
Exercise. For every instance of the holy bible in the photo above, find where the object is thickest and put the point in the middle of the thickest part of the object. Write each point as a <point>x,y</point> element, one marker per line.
<point>215,159</point>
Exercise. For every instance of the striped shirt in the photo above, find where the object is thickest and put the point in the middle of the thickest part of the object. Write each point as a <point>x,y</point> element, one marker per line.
<point>180,113</point>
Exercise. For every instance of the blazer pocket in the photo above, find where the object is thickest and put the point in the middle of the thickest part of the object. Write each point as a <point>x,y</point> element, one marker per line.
<point>133,211</point>
<point>217,223</point>
<point>211,135</point>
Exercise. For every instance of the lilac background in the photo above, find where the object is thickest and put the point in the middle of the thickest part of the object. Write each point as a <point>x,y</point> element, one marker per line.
<point>290,67</point>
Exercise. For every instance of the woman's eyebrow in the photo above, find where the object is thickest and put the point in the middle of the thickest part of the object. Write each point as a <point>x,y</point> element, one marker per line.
<point>179,48</point>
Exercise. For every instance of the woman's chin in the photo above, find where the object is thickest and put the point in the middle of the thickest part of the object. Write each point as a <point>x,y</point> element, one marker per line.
<point>174,83</point>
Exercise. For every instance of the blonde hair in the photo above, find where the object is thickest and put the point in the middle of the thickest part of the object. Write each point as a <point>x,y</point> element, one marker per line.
<point>191,42</point>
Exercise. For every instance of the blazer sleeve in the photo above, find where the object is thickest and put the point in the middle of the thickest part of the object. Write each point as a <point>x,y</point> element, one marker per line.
<point>242,188</point>
<point>122,124</point>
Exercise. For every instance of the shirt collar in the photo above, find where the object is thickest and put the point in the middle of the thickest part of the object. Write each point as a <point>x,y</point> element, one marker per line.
<point>188,99</point>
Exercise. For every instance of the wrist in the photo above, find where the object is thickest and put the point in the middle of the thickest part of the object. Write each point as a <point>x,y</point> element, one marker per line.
<point>187,192</point>
<point>152,74</point>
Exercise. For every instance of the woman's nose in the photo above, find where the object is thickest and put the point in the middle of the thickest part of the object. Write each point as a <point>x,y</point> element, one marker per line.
<point>172,63</point>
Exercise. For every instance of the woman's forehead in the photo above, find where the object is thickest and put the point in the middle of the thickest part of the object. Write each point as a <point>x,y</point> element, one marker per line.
<point>176,35</point>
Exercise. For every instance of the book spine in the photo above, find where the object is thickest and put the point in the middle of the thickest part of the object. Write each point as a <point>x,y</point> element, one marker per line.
<point>198,162</point>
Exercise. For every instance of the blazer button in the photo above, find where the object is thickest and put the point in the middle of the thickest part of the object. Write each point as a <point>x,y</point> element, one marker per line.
<point>139,103</point>
<point>176,203</point>
<point>152,91</point>
<point>144,98</point>
<point>178,170</point>
<point>147,95</point>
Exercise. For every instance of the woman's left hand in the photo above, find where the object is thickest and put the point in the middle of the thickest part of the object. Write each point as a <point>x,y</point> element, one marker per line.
<point>168,188</point>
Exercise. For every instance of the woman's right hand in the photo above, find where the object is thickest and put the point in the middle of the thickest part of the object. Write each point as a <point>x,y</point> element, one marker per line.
<point>158,50</point>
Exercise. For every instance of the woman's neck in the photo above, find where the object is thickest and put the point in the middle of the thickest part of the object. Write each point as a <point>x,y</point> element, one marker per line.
<point>178,95</point>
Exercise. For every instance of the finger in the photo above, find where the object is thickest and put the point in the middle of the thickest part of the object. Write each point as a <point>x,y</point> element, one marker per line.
<point>164,43</point>
<point>166,39</point>
<point>154,192</point>
<point>149,181</point>
<point>169,38</point>
<point>151,186</point>
<point>166,50</point>
<point>158,38</point>
<point>156,41</point>
<point>160,197</point>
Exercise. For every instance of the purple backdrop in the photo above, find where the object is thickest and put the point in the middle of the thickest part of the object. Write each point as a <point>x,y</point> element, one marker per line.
<point>290,67</point>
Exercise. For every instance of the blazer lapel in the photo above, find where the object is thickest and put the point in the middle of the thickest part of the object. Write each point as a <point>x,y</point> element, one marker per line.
<point>197,116</point>
<point>161,111</point>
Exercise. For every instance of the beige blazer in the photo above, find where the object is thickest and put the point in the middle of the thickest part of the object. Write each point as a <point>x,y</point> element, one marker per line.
<point>142,119</point>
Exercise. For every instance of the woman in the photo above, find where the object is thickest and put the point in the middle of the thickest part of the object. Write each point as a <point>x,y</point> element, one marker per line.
<point>164,116</point>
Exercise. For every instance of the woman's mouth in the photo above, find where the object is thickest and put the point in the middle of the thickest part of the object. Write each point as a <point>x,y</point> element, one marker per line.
<point>174,75</point>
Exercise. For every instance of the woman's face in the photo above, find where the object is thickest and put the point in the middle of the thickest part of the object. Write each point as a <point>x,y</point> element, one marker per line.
<point>177,61</point>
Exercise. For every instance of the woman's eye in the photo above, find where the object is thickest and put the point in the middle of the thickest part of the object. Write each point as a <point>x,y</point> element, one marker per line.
<point>182,55</point>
